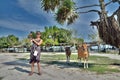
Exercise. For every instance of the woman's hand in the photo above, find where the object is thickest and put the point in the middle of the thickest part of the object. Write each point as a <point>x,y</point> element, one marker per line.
<point>32,40</point>
<point>37,43</point>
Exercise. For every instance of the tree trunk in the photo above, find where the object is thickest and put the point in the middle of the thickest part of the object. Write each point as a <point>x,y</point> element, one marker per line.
<point>118,17</point>
<point>119,52</point>
<point>103,11</point>
<point>98,47</point>
<point>108,27</point>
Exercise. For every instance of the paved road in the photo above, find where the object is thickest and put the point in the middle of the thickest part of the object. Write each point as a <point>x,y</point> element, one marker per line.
<point>11,68</point>
<point>112,56</point>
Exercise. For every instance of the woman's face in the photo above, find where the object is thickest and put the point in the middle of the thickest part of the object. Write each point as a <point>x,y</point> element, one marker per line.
<point>38,35</point>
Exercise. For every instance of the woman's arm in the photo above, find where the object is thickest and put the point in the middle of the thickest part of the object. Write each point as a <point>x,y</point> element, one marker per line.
<point>37,43</point>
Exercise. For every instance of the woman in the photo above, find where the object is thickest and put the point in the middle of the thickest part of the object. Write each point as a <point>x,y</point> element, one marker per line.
<point>35,53</point>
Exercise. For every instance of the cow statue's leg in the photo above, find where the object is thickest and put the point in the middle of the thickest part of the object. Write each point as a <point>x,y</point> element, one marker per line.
<point>84,63</point>
<point>87,63</point>
<point>79,61</point>
<point>68,59</point>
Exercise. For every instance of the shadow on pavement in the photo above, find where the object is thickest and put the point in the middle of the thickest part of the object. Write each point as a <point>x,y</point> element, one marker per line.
<point>63,65</point>
<point>17,65</point>
<point>23,63</point>
<point>21,69</point>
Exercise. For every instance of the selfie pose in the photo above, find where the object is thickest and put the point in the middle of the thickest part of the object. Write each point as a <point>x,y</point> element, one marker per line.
<point>35,53</point>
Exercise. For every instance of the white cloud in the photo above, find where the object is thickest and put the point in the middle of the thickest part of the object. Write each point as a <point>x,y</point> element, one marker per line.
<point>21,26</point>
<point>34,8</point>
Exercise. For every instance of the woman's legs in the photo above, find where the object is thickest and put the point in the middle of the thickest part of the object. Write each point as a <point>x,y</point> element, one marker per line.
<point>38,65</point>
<point>32,68</point>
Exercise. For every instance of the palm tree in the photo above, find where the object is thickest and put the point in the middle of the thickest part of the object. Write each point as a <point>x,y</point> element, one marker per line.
<point>49,5</point>
<point>66,10</point>
<point>108,27</point>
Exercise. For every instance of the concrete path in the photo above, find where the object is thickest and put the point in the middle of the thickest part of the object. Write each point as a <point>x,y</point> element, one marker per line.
<point>112,56</point>
<point>12,68</point>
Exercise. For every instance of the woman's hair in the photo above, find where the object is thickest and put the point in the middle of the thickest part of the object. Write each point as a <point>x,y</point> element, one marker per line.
<point>38,33</point>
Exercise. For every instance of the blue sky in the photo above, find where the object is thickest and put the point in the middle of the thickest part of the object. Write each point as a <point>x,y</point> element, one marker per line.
<point>19,17</point>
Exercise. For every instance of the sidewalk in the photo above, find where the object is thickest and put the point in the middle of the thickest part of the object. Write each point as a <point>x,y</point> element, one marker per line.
<point>11,68</point>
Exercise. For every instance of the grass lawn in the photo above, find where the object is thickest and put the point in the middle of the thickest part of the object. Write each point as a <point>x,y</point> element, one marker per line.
<point>96,63</point>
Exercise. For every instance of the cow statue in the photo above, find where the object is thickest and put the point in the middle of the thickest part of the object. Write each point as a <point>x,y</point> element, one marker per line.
<point>68,54</point>
<point>83,53</point>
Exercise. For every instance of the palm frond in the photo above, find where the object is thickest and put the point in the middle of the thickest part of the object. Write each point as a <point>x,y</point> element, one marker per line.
<point>50,5</point>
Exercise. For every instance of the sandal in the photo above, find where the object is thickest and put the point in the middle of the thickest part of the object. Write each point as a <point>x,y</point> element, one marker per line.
<point>39,73</point>
<point>31,73</point>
